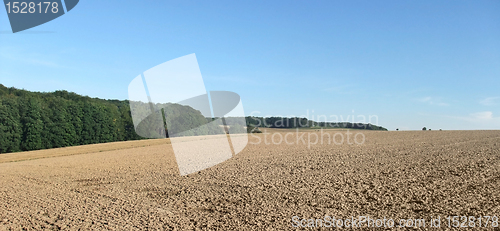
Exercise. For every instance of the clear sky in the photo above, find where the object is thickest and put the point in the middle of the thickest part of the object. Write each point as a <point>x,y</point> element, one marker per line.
<point>410,63</point>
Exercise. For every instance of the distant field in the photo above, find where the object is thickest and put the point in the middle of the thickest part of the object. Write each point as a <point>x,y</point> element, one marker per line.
<point>91,148</point>
<point>313,128</point>
<point>136,185</point>
<point>83,149</point>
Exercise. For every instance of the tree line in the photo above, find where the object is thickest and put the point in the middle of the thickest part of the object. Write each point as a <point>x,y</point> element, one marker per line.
<point>42,120</point>
<point>297,122</point>
<point>34,120</point>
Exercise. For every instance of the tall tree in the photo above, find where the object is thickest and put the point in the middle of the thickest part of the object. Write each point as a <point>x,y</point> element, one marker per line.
<point>32,124</point>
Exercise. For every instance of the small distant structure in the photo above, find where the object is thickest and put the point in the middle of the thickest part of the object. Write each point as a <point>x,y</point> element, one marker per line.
<point>253,129</point>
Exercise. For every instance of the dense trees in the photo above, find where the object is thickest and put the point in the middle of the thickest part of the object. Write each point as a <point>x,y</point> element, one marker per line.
<point>33,120</point>
<point>10,125</point>
<point>33,126</point>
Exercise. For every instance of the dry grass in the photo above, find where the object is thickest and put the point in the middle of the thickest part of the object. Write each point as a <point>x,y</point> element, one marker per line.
<point>75,150</point>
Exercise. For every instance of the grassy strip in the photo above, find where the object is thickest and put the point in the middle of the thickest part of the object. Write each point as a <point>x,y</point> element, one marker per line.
<point>82,149</point>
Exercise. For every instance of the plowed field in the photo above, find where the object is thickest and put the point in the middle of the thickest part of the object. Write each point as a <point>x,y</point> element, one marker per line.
<point>397,175</point>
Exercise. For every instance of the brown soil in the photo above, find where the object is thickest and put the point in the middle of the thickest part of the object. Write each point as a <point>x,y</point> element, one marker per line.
<point>395,175</point>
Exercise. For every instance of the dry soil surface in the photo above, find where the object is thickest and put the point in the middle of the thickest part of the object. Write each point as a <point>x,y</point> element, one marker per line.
<point>398,175</point>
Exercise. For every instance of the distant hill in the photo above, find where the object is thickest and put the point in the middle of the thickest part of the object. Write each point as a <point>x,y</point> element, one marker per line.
<point>42,120</point>
<point>297,122</point>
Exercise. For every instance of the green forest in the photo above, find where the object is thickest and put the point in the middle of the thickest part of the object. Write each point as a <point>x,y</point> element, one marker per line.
<point>34,120</point>
<point>42,120</point>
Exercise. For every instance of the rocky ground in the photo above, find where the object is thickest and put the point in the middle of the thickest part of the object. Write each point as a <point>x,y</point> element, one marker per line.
<point>392,175</point>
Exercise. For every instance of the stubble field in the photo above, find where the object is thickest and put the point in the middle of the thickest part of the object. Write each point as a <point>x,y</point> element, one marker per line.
<point>398,175</point>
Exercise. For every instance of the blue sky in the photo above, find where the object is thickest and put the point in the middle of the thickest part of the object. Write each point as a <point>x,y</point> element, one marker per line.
<point>410,63</point>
